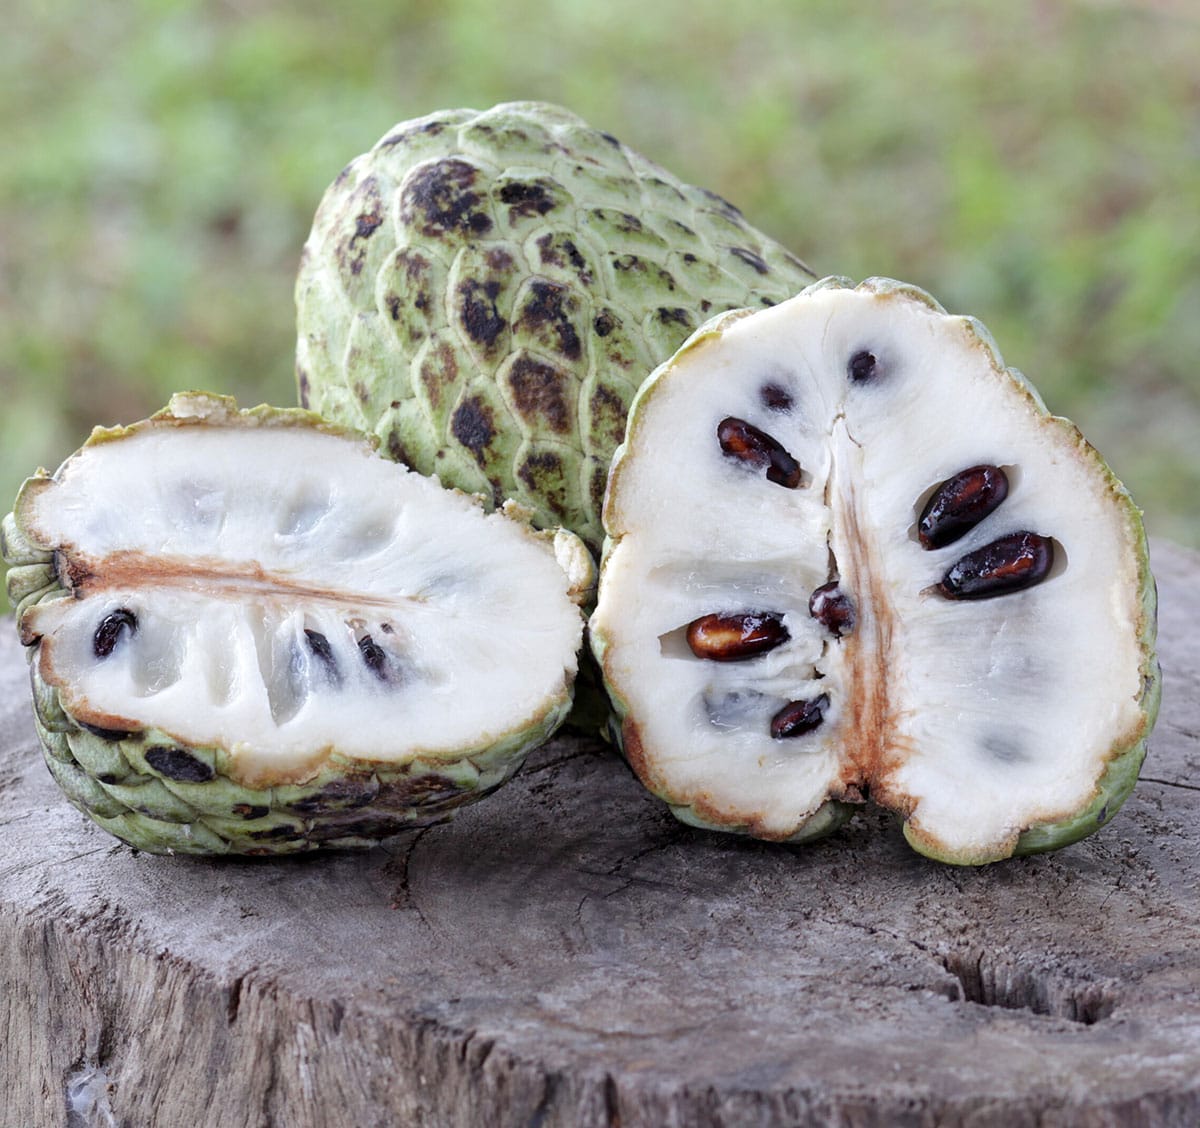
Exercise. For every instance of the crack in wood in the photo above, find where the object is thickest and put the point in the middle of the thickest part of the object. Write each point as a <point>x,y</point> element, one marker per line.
<point>1169,783</point>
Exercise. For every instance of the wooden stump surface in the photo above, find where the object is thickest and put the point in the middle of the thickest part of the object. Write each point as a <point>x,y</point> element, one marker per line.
<point>565,953</point>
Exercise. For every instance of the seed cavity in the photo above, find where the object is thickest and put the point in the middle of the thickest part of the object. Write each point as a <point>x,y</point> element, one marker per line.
<point>734,637</point>
<point>733,709</point>
<point>775,397</point>
<point>747,444</point>
<point>108,633</point>
<point>318,644</point>
<point>833,609</point>
<point>799,717</point>
<point>960,503</point>
<point>862,367</point>
<point>1009,564</point>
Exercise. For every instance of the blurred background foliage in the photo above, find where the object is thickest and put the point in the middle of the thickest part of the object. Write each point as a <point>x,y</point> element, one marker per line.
<point>1036,163</point>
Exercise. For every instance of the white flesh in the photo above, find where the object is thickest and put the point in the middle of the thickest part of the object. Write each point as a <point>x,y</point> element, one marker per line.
<point>975,718</point>
<point>229,542</point>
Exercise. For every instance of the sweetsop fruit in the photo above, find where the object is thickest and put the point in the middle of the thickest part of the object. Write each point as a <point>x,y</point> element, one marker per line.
<point>851,554</point>
<point>249,633</point>
<point>486,291</point>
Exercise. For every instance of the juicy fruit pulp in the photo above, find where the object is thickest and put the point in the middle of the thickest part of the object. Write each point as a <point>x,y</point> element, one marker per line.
<point>851,553</point>
<point>249,632</point>
<point>486,291</point>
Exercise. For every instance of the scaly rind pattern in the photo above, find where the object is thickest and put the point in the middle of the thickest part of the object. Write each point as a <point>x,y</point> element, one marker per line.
<point>1116,783</point>
<point>163,795</point>
<point>486,292</point>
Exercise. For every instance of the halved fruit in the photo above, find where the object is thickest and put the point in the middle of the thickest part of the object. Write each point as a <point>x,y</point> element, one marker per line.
<point>250,633</point>
<point>851,553</point>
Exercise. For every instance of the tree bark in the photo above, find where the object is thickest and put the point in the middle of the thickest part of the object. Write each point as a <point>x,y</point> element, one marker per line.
<point>565,953</point>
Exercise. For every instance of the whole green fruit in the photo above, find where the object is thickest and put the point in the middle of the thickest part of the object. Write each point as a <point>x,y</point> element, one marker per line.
<point>487,291</point>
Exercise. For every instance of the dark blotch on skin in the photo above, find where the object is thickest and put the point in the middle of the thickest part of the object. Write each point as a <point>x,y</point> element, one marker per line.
<point>546,309</point>
<point>396,449</point>
<point>344,795</point>
<point>106,733</point>
<point>862,367</point>
<point>799,717</point>
<point>745,443</point>
<point>1007,565</point>
<point>606,321</point>
<point>833,609</point>
<point>480,317</point>
<point>305,387</point>
<point>472,425</point>
<point>178,763</point>
<point>676,316</point>
<point>440,197</point>
<point>250,811</point>
<point>108,633</point>
<point>775,397</point>
<point>960,503</point>
<point>542,473</point>
<point>750,259</point>
<point>734,637</point>
<point>366,224</point>
<point>373,656</point>
<point>526,198</point>
<point>539,393</point>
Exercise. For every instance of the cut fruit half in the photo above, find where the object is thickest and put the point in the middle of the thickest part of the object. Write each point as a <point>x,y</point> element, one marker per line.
<point>248,632</point>
<point>851,553</point>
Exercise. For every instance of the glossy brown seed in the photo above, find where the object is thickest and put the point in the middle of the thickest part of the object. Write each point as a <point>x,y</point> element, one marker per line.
<point>746,443</point>
<point>798,717</point>
<point>737,636</point>
<point>108,633</point>
<point>960,503</point>
<point>1009,564</point>
<point>832,608</point>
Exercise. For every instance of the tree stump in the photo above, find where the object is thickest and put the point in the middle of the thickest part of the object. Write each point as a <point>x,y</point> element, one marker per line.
<point>565,953</point>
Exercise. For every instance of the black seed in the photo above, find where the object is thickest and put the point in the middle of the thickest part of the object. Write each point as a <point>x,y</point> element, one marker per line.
<point>798,717</point>
<point>320,647</point>
<point>108,633</point>
<point>833,609</point>
<point>178,763</point>
<point>106,733</point>
<point>746,443</point>
<point>373,656</point>
<point>736,636</point>
<point>960,503</point>
<point>861,367</point>
<point>1009,564</point>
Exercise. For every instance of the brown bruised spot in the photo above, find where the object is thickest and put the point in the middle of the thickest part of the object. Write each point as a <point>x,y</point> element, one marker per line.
<point>396,450</point>
<point>367,223</point>
<point>608,412</point>
<point>596,490</point>
<point>606,321</point>
<point>345,794</point>
<point>539,392</point>
<point>424,791</point>
<point>559,250</point>
<point>547,309</point>
<point>250,811</point>
<point>543,473</point>
<point>72,572</point>
<point>676,316</point>
<point>750,259</point>
<point>439,370</point>
<point>404,136</point>
<point>473,424</point>
<point>477,305</point>
<point>440,198</point>
<point>526,199</point>
<point>179,764</point>
<point>363,392</point>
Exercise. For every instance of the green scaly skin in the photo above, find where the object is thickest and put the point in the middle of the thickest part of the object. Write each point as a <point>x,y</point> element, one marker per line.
<point>165,796</point>
<point>485,291</point>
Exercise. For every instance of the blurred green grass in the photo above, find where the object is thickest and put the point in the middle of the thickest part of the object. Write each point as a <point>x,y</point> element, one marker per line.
<point>1034,163</point>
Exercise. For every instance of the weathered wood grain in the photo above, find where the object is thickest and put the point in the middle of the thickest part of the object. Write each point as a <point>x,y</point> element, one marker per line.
<point>566,954</point>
